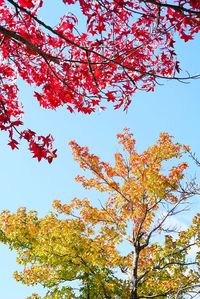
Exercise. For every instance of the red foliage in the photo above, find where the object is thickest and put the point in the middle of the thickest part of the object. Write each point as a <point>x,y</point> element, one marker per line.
<point>125,47</point>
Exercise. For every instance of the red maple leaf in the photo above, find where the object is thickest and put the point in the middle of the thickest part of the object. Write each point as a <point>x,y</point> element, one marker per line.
<point>26,3</point>
<point>13,144</point>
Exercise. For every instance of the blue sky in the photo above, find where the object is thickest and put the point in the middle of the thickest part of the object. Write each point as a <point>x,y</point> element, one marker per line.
<point>173,107</point>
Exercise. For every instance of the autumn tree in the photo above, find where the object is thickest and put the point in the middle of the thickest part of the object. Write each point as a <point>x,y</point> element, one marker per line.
<point>117,48</point>
<point>122,246</point>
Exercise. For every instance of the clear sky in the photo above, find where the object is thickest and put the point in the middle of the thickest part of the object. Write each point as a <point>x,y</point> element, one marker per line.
<point>173,107</point>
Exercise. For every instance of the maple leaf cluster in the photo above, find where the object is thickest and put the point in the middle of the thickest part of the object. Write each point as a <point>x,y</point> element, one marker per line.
<point>117,48</point>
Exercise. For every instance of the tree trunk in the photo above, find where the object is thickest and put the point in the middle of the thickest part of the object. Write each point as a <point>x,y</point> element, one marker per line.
<point>134,279</point>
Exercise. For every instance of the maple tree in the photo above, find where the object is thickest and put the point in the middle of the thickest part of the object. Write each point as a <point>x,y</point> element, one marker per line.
<point>122,246</point>
<point>117,48</point>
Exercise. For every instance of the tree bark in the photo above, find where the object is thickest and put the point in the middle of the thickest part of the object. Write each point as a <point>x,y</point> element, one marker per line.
<point>134,278</point>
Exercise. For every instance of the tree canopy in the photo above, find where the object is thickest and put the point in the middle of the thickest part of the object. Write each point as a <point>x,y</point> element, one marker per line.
<point>122,246</point>
<point>115,49</point>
